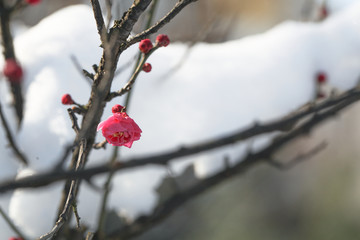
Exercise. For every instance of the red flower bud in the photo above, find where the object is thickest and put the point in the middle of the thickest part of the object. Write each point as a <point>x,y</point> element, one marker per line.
<point>147,67</point>
<point>117,108</point>
<point>66,99</point>
<point>162,40</point>
<point>321,77</point>
<point>15,238</point>
<point>145,45</point>
<point>33,2</point>
<point>13,71</point>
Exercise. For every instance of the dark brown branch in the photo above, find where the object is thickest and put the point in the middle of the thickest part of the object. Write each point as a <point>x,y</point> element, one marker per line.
<point>10,138</point>
<point>156,27</point>
<point>18,101</point>
<point>325,110</point>
<point>6,36</point>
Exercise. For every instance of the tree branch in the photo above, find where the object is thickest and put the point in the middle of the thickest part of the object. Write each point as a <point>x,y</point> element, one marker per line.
<point>156,27</point>
<point>323,111</point>
<point>133,77</point>
<point>121,29</point>
<point>99,21</point>
<point>162,211</point>
<point>298,159</point>
<point>10,138</point>
<point>9,53</point>
<point>74,122</point>
<point>103,79</point>
<point>100,145</point>
<point>108,4</point>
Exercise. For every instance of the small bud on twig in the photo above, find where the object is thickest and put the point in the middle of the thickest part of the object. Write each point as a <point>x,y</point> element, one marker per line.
<point>162,40</point>
<point>145,45</point>
<point>66,99</point>
<point>147,67</point>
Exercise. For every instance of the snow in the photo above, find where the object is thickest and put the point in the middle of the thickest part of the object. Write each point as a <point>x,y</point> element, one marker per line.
<point>337,5</point>
<point>218,89</point>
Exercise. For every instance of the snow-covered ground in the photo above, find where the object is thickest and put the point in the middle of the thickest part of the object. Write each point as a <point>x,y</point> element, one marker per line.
<point>218,89</point>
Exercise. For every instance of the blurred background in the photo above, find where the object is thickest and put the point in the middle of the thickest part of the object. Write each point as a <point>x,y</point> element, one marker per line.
<point>207,20</point>
<point>317,199</point>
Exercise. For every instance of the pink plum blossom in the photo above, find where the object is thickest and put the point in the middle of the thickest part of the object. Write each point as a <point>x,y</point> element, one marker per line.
<point>120,130</point>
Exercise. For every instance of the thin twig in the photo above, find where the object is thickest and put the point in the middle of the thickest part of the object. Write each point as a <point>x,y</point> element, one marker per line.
<point>11,140</point>
<point>100,145</point>
<point>156,27</point>
<point>99,21</point>
<point>11,224</point>
<point>88,77</point>
<point>108,4</point>
<point>133,77</point>
<point>89,236</point>
<point>151,14</point>
<point>104,201</point>
<point>74,122</point>
<point>76,213</point>
<point>69,205</point>
<point>139,55</point>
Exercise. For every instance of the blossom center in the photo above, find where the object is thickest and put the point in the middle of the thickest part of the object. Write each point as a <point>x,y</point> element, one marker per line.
<point>118,134</point>
<point>121,136</point>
